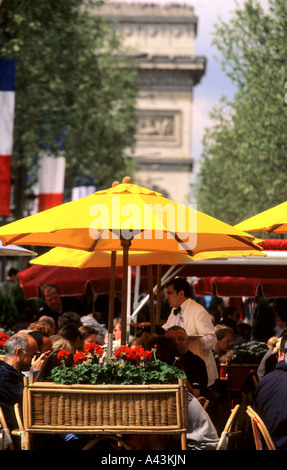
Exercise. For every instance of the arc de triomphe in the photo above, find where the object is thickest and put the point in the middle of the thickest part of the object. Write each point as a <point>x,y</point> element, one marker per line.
<point>161,38</point>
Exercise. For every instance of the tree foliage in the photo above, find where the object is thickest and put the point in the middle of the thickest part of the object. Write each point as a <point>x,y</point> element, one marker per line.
<point>69,79</point>
<point>243,163</point>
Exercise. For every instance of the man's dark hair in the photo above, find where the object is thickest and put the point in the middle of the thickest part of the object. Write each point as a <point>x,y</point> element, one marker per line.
<point>69,318</point>
<point>179,283</point>
<point>12,272</point>
<point>70,333</point>
<point>177,328</point>
<point>38,337</point>
<point>283,343</point>
<point>49,286</point>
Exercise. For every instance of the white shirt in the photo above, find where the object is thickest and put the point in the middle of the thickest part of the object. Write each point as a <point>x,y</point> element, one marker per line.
<point>197,321</point>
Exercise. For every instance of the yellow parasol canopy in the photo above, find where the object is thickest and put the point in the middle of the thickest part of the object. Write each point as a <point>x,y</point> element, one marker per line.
<point>127,218</point>
<point>272,220</point>
<point>142,218</point>
<point>81,259</point>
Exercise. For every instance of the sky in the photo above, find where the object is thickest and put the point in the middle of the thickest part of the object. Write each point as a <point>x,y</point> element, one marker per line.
<point>214,84</point>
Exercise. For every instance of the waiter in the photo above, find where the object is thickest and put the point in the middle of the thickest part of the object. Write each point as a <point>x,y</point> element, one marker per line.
<point>195,320</point>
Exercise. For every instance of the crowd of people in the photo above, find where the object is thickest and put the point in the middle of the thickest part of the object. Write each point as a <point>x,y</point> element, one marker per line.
<point>65,323</point>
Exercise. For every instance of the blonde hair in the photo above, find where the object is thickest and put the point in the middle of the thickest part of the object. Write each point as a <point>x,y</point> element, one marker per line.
<point>60,343</point>
<point>40,326</point>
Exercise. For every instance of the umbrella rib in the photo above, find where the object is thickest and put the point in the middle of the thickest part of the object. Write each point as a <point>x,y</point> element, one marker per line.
<point>249,243</point>
<point>18,237</point>
<point>188,251</point>
<point>274,227</point>
<point>92,247</point>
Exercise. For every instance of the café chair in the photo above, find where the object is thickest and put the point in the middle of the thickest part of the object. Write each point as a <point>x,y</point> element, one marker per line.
<point>229,432</point>
<point>259,431</point>
<point>6,439</point>
<point>203,401</point>
<point>20,432</point>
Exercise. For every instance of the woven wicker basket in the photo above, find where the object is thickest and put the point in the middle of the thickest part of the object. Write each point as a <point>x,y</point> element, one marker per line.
<point>105,409</point>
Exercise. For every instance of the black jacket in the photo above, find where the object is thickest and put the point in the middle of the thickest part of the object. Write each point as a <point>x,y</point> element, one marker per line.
<point>11,392</point>
<point>196,372</point>
<point>271,403</point>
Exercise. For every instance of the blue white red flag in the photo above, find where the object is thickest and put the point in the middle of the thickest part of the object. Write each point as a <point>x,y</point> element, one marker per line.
<point>7,109</point>
<point>51,177</point>
<point>83,187</point>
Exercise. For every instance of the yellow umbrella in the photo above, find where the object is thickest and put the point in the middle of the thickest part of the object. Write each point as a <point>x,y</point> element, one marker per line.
<point>68,257</point>
<point>127,218</point>
<point>272,220</point>
<point>127,214</point>
<point>81,259</point>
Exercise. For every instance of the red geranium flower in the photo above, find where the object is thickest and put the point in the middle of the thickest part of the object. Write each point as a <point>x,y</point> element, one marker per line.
<point>62,354</point>
<point>93,348</point>
<point>79,356</point>
<point>3,338</point>
<point>137,353</point>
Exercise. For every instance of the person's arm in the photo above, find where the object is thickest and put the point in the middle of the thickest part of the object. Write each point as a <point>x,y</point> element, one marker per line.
<point>141,324</point>
<point>205,328</point>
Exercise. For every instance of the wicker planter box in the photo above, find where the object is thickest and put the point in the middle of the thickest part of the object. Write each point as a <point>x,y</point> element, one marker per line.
<point>104,409</point>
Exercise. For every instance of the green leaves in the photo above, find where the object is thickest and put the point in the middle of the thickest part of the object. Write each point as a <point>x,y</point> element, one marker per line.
<point>117,373</point>
<point>66,62</point>
<point>244,152</point>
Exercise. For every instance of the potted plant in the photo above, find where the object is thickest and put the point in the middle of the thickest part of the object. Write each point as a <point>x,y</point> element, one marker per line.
<point>241,360</point>
<point>128,366</point>
<point>133,392</point>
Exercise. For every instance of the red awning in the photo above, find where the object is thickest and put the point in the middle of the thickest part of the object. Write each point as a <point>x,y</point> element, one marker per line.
<point>268,279</point>
<point>71,281</point>
<point>228,286</point>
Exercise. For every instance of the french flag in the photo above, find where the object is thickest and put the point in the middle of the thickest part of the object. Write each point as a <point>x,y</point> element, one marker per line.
<point>51,173</point>
<point>7,109</point>
<point>51,177</point>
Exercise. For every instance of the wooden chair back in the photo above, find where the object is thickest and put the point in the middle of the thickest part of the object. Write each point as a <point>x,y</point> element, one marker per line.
<point>20,432</point>
<point>259,430</point>
<point>229,429</point>
<point>204,402</point>
<point>6,438</point>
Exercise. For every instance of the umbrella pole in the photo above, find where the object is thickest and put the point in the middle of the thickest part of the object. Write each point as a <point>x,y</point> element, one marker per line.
<point>125,244</point>
<point>111,303</point>
<point>158,294</point>
<point>151,298</point>
<point>165,277</point>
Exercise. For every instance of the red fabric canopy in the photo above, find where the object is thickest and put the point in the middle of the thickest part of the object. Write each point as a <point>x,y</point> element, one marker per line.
<point>228,286</point>
<point>267,280</point>
<point>71,281</point>
<point>274,244</point>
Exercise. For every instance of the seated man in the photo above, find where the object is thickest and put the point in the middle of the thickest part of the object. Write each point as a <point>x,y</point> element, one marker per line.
<point>194,366</point>
<point>270,398</point>
<point>55,304</point>
<point>20,350</point>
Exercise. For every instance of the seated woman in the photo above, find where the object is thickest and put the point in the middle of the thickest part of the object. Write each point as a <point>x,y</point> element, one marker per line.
<point>225,339</point>
<point>89,335</point>
<point>73,336</point>
<point>50,362</point>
